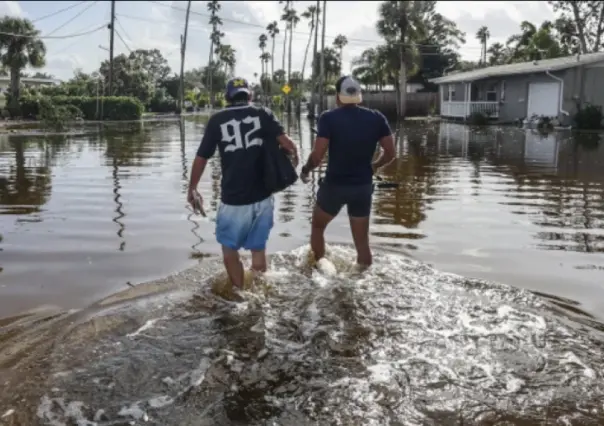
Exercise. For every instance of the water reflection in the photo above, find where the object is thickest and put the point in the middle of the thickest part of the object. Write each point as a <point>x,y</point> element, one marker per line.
<point>25,182</point>
<point>497,203</point>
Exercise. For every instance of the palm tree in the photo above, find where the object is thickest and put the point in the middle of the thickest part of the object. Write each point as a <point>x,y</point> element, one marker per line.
<point>483,35</point>
<point>262,45</point>
<point>292,20</point>
<point>273,30</point>
<point>226,56</point>
<point>339,44</point>
<point>401,24</point>
<point>215,21</point>
<point>17,53</point>
<point>311,13</point>
<point>497,54</point>
<point>284,18</point>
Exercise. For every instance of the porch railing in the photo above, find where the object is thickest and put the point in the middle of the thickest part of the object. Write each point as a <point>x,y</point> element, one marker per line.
<point>460,109</point>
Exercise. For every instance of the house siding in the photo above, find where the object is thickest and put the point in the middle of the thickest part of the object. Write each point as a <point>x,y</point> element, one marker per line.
<point>581,84</point>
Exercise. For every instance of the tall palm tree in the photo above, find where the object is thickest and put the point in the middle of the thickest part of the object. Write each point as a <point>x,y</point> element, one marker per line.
<point>339,44</point>
<point>284,18</point>
<point>312,15</point>
<point>273,30</point>
<point>215,21</point>
<point>17,53</point>
<point>262,45</point>
<point>292,20</point>
<point>483,35</point>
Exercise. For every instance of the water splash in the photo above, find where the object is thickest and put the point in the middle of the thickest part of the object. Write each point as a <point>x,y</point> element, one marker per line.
<point>399,343</point>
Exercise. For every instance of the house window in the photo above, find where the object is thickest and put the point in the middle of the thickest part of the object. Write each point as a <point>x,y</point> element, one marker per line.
<point>451,92</point>
<point>492,93</point>
<point>503,90</point>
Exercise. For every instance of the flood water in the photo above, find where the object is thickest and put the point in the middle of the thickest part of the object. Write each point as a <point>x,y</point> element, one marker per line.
<point>512,337</point>
<point>87,216</point>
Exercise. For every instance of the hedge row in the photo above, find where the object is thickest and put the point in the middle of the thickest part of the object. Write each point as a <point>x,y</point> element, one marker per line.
<point>112,107</point>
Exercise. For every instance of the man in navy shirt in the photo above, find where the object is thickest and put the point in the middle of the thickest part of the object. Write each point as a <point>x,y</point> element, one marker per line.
<point>245,216</point>
<point>351,134</point>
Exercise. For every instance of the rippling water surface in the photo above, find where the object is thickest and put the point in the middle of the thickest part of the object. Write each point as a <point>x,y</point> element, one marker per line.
<point>83,217</point>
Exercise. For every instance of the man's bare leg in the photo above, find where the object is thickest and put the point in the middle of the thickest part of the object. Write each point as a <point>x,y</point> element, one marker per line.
<point>259,261</point>
<point>233,266</point>
<point>360,235</point>
<point>320,220</point>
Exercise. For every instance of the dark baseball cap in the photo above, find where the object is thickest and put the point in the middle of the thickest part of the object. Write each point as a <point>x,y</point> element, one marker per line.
<point>237,85</point>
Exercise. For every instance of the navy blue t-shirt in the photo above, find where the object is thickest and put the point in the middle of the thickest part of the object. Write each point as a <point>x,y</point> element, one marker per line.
<point>240,132</point>
<point>353,134</point>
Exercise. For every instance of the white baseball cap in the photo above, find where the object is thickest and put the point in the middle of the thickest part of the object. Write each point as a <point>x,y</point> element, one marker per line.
<point>349,90</point>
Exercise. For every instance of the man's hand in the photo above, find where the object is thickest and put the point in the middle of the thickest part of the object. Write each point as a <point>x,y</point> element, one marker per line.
<point>195,199</point>
<point>305,175</point>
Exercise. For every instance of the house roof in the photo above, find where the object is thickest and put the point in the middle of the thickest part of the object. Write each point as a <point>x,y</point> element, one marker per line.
<point>32,80</point>
<point>522,68</point>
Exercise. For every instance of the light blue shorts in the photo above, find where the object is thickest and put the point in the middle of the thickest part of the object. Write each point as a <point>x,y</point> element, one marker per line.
<point>246,226</point>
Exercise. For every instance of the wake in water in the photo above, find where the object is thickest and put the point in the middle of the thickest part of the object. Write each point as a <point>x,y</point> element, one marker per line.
<point>400,343</point>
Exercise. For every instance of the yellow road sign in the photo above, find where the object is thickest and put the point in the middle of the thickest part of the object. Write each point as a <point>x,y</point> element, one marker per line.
<point>286,89</point>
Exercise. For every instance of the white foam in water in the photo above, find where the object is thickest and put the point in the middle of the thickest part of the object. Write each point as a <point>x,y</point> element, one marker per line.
<point>399,341</point>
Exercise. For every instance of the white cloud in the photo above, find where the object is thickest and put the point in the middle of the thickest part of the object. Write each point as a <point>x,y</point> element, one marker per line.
<point>151,25</point>
<point>11,8</point>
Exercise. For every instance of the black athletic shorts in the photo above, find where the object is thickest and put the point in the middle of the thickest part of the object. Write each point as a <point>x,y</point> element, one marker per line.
<point>357,198</point>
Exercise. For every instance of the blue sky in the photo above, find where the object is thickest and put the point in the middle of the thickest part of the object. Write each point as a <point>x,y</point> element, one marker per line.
<point>148,24</point>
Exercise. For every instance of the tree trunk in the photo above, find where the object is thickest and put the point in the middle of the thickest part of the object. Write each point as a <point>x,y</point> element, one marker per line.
<point>306,51</point>
<point>273,60</point>
<point>402,83</point>
<point>322,63</point>
<point>210,73</point>
<point>15,89</point>
<point>580,29</point>
<point>314,91</point>
<point>289,65</point>
<point>284,48</point>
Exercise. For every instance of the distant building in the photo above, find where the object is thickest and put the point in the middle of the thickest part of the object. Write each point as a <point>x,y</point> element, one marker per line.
<point>549,87</point>
<point>27,82</point>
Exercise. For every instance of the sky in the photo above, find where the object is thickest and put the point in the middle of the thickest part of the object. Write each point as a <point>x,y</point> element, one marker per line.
<point>159,24</point>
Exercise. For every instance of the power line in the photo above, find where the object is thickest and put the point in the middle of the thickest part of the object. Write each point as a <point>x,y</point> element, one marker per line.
<point>70,45</point>
<point>123,30</point>
<point>54,37</point>
<point>353,41</point>
<point>122,39</point>
<point>235,21</point>
<point>65,9</point>
<point>74,17</point>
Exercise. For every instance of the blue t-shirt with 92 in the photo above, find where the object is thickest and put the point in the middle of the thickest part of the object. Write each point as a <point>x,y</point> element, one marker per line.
<point>353,134</point>
<point>240,132</point>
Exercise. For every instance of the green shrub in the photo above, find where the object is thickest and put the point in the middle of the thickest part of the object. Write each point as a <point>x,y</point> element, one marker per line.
<point>589,117</point>
<point>56,117</point>
<point>113,107</point>
<point>478,118</point>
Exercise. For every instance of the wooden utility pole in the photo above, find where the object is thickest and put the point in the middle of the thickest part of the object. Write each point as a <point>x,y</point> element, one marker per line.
<point>112,25</point>
<point>322,75</point>
<point>183,48</point>
<point>315,91</point>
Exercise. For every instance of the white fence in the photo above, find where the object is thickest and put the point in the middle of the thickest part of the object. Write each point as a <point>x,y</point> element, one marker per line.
<point>460,109</point>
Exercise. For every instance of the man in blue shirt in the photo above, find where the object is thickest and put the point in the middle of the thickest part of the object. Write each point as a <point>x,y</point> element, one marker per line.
<point>350,133</point>
<point>245,216</point>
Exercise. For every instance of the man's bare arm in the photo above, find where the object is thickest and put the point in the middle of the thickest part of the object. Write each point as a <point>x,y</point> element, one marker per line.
<point>199,166</point>
<point>316,156</point>
<point>288,145</point>
<point>387,153</point>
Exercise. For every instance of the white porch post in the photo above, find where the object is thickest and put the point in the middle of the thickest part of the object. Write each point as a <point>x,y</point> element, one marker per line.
<point>442,98</point>
<point>467,98</point>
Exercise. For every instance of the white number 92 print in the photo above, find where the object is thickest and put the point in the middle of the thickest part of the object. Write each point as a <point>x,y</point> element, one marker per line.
<point>232,134</point>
